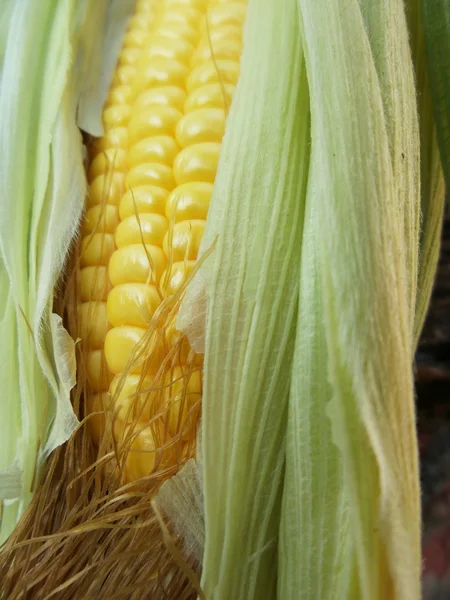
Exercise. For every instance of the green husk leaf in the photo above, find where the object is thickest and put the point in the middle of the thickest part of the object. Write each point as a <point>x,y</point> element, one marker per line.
<point>365,204</point>
<point>254,228</point>
<point>42,188</point>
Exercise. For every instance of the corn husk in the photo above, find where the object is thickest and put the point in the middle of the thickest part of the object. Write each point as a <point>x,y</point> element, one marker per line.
<point>48,66</point>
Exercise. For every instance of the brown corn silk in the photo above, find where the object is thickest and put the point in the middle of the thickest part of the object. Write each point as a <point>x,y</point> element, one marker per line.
<point>92,530</point>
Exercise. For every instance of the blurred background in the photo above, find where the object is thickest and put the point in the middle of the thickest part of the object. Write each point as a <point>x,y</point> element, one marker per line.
<point>433,408</point>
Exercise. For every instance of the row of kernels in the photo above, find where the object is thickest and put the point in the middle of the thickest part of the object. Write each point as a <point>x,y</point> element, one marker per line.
<point>107,178</point>
<point>199,134</point>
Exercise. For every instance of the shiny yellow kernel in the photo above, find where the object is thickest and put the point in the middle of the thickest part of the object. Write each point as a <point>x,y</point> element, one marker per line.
<point>203,125</point>
<point>97,372</point>
<point>93,323</point>
<point>189,201</point>
<point>154,120</point>
<point>117,115</point>
<point>136,264</point>
<point>143,199</point>
<point>96,249</point>
<point>233,33</point>
<point>197,163</point>
<point>151,174</point>
<point>136,38</point>
<point>124,75</point>
<point>173,279</point>
<point>183,31</point>
<point>170,49</point>
<point>133,397</point>
<point>232,13</point>
<point>213,95</point>
<point>132,304</point>
<point>116,137</point>
<point>93,283</point>
<point>143,457</point>
<point>188,15</point>
<point>161,72</point>
<point>224,49</point>
<point>107,188</point>
<point>113,159</point>
<point>120,94</point>
<point>97,403</point>
<point>129,56</point>
<point>122,348</point>
<point>209,71</point>
<point>160,149</point>
<point>197,4</point>
<point>149,228</point>
<point>102,218</point>
<point>182,397</point>
<point>186,239</point>
<point>169,95</point>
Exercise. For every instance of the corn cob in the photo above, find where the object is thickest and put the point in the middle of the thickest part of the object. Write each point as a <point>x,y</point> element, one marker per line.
<point>150,181</point>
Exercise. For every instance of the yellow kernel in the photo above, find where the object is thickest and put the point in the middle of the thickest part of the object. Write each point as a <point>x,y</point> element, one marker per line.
<point>233,33</point>
<point>232,13</point>
<point>203,125</point>
<point>160,149</point>
<point>93,283</point>
<point>209,72</point>
<point>169,95</point>
<point>97,372</point>
<point>148,228</point>
<point>182,397</point>
<point>144,458</point>
<point>197,163</point>
<point>120,94</point>
<point>154,120</point>
<point>151,174</point>
<point>96,249</point>
<point>132,304</point>
<point>210,96</point>
<point>117,115</point>
<point>161,72</point>
<point>185,16</point>
<point>143,199</point>
<point>122,349</point>
<point>175,31</point>
<point>134,398</point>
<point>117,137</point>
<point>113,159</point>
<point>97,403</point>
<point>94,323</point>
<point>124,75</point>
<point>186,239</point>
<point>189,201</point>
<point>136,264</point>
<point>170,49</point>
<point>197,4</point>
<point>222,49</point>
<point>135,38</point>
<point>106,188</point>
<point>177,275</point>
<point>129,56</point>
<point>102,218</point>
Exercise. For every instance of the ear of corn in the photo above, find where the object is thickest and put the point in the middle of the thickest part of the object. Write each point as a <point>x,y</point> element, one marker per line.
<point>151,177</point>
